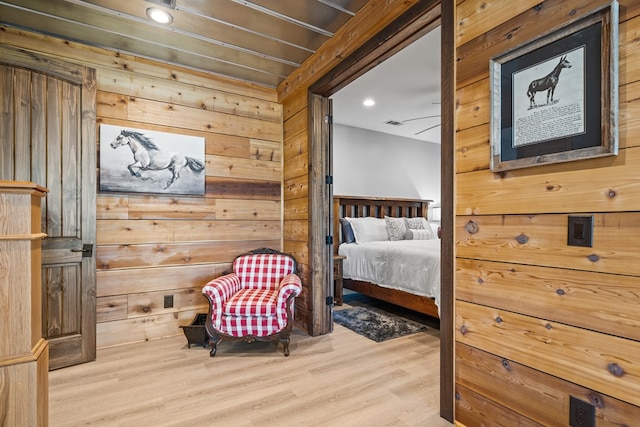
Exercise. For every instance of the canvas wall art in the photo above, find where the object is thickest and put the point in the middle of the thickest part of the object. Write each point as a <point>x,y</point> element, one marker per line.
<point>146,161</point>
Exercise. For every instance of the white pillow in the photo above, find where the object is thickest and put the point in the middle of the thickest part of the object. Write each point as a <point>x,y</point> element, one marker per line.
<point>368,229</point>
<point>434,228</point>
<point>419,234</point>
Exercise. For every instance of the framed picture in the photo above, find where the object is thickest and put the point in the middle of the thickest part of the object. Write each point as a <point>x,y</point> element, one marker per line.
<point>145,161</point>
<point>555,99</point>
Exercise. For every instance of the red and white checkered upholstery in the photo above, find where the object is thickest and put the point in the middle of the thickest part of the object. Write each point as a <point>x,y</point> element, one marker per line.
<point>252,299</point>
<point>263,270</point>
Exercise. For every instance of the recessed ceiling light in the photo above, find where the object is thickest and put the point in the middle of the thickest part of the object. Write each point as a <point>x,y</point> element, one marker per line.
<point>160,16</point>
<point>369,102</point>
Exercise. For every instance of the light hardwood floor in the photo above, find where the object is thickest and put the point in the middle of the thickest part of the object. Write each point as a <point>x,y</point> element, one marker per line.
<point>340,379</point>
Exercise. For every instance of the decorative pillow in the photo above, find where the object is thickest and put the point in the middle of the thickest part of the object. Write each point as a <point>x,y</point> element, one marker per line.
<point>418,234</point>
<point>420,223</point>
<point>417,223</point>
<point>396,227</point>
<point>347,231</point>
<point>369,229</point>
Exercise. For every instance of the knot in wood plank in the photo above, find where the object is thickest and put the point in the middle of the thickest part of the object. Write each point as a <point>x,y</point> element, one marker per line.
<point>463,329</point>
<point>596,400</point>
<point>593,257</point>
<point>522,239</point>
<point>615,369</point>
<point>472,227</point>
<point>506,365</point>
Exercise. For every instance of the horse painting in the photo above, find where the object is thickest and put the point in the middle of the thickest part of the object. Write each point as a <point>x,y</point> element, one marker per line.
<point>148,157</point>
<point>547,83</point>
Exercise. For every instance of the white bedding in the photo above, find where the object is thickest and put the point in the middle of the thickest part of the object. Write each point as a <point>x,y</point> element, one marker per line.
<point>409,265</point>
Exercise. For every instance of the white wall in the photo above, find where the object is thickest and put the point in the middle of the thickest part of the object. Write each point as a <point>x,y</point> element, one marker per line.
<point>368,163</point>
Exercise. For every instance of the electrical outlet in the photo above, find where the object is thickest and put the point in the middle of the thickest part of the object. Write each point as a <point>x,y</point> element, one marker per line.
<point>581,413</point>
<point>168,301</point>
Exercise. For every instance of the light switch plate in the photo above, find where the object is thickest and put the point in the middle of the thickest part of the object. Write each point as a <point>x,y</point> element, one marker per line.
<point>580,231</point>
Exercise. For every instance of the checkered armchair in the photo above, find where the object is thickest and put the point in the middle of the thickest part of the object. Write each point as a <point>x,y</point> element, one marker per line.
<point>255,301</point>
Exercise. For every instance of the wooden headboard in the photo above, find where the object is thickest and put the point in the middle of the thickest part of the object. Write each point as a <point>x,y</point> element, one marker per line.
<point>356,207</point>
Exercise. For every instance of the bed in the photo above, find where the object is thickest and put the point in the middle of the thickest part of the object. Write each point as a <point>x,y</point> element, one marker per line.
<point>377,268</point>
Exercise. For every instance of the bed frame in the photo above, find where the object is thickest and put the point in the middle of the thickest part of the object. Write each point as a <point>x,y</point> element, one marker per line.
<point>349,206</point>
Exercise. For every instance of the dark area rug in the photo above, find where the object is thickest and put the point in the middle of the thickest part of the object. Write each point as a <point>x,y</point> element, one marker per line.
<point>375,326</point>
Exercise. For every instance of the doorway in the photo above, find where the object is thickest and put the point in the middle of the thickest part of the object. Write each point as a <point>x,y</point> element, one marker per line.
<point>416,22</point>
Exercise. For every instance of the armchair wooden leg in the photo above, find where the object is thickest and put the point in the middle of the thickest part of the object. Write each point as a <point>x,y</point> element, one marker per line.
<point>214,345</point>
<point>285,344</point>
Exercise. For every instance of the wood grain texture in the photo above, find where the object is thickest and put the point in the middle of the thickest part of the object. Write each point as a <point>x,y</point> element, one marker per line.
<point>111,308</point>
<point>473,150</point>
<point>175,254</point>
<point>542,240</point>
<point>115,60</point>
<point>249,189</point>
<point>554,188</point>
<point>230,167</point>
<point>296,209</point>
<point>296,145</point>
<point>447,185</point>
<point>390,383</point>
<point>474,18</point>
<point>189,94</point>
<point>296,194</point>
<point>507,34</point>
<point>536,395</point>
<point>160,112</point>
<point>472,410</point>
<point>242,127</point>
<point>511,233</point>
<point>122,282</point>
<point>172,231</point>
<point>368,21</point>
<point>152,303</point>
<point>23,352</point>
<point>577,355</point>
<point>602,302</point>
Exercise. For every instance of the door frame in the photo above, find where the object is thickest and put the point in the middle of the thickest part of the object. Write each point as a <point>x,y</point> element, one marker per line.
<point>410,26</point>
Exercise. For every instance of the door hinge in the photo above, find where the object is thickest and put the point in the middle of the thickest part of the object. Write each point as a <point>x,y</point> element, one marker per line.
<point>328,119</point>
<point>328,240</point>
<point>329,300</point>
<point>328,179</point>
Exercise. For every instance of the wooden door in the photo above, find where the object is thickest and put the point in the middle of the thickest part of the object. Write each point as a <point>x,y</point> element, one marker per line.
<point>320,195</point>
<point>47,130</point>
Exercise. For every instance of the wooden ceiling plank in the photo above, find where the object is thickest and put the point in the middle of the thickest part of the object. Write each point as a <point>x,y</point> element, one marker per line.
<point>193,23</point>
<point>78,32</point>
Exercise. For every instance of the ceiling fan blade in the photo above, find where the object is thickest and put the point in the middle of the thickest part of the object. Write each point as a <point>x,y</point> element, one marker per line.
<point>429,128</point>
<point>420,118</point>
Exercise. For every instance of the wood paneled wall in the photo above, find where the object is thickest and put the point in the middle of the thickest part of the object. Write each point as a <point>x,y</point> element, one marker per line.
<point>150,246</point>
<point>538,321</point>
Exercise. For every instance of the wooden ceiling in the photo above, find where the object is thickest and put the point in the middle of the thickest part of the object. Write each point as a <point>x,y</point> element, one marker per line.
<point>259,41</point>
